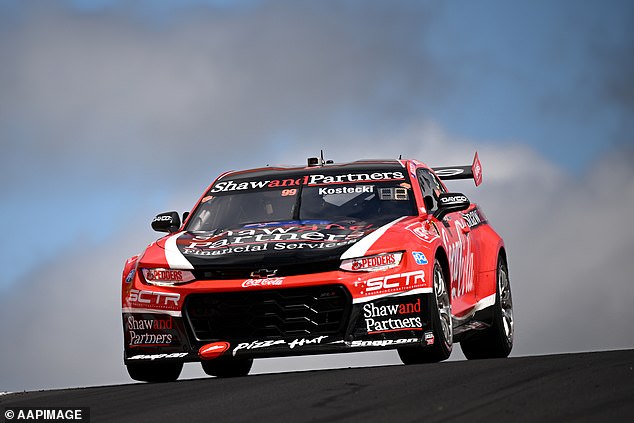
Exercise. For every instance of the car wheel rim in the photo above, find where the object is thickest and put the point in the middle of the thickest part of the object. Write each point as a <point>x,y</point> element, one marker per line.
<point>444,306</point>
<point>506,304</point>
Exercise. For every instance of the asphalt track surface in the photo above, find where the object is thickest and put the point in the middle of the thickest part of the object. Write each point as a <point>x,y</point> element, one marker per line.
<point>568,387</point>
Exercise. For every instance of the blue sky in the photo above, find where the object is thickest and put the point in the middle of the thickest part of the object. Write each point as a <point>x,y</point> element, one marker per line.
<point>552,75</point>
<point>540,72</point>
<point>113,111</point>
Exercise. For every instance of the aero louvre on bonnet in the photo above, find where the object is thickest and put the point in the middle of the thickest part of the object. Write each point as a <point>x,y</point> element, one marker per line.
<point>318,310</point>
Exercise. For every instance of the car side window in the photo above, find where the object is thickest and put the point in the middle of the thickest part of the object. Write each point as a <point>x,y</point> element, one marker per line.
<point>430,187</point>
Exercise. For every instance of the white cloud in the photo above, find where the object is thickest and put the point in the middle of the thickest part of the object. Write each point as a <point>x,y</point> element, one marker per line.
<point>116,91</point>
<point>61,323</point>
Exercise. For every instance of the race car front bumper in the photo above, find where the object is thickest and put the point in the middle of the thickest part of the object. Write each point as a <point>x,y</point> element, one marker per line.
<point>308,320</point>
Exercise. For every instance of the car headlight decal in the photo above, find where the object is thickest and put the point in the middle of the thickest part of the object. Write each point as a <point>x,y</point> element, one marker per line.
<point>167,277</point>
<point>372,263</point>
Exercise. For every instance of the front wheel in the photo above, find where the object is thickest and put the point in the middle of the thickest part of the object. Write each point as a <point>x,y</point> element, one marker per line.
<point>496,341</point>
<point>155,372</point>
<point>441,326</point>
<point>227,367</point>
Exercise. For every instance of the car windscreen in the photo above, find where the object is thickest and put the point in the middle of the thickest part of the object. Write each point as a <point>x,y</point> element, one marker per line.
<point>376,202</point>
<point>237,210</point>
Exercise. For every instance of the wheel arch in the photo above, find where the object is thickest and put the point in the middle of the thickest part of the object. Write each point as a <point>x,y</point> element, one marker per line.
<point>502,254</point>
<point>441,256</point>
<point>127,277</point>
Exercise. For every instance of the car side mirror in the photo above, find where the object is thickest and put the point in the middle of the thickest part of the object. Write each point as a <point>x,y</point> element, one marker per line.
<point>167,222</point>
<point>450,202</point>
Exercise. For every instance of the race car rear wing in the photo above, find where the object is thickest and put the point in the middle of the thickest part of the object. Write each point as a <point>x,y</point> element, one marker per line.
<point>461,172</point>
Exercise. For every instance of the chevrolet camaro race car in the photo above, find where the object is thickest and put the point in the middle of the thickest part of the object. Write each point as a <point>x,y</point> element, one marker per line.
<point>323,258</point>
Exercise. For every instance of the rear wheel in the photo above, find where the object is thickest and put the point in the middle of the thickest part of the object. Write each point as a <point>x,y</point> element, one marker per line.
<point>155,372</point>
<point>227,367</point>
<point>496,341</point>
<point>441,326</point>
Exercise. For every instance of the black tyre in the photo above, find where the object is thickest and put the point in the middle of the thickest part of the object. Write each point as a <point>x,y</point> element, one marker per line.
<point>496,341</point>
<point>155,372</point>
<point>227,367</point>
<point>441,326</point>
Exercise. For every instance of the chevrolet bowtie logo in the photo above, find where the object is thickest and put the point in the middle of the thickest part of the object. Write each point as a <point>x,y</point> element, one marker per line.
<point>263,273</point>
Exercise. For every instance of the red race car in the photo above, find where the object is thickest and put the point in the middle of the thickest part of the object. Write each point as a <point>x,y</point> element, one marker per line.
<point>323,258</point>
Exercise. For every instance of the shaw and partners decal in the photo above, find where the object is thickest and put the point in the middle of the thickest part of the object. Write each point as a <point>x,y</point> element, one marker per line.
<point>309,180</point>
<point>274,239</point>
<point>392,317</point>
<point>391,283</point>
<point>299,342</point>
<point>145,330</point>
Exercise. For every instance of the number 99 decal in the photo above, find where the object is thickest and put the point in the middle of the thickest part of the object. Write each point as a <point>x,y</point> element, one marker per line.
<point>288,192</point>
